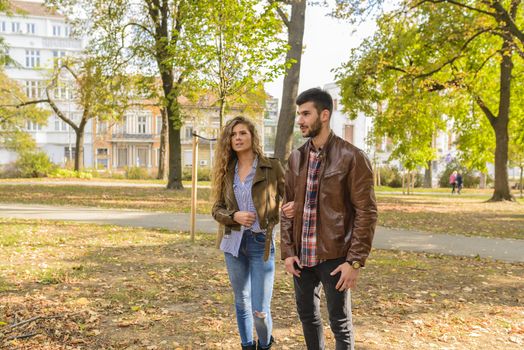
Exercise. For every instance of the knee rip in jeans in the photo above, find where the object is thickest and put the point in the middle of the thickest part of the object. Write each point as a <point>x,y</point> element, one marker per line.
<point>259,314</point>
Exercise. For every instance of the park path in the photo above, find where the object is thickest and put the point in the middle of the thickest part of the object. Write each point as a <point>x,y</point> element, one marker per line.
<point>509,250</point>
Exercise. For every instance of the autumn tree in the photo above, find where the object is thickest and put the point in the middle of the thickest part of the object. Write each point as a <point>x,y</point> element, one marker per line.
<point>462,46</point>
<point>243,48</point>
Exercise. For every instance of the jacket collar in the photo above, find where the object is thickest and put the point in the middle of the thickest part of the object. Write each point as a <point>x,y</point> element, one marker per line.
<point>263,162</point>
<point>308,145</point>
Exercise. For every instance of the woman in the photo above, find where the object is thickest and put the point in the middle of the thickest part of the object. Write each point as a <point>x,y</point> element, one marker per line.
<point>248,188</point>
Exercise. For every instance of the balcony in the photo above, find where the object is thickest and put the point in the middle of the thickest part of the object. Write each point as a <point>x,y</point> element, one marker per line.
<point>125,137</point>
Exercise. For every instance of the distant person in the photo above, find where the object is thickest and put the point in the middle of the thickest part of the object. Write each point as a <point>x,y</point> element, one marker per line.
<point>453,181</point>
<point>248,188</point>
<point>329,240</point>
<point>458,180</point>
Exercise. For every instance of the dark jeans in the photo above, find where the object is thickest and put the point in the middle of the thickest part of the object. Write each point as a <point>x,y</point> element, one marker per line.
<point>307,295</point>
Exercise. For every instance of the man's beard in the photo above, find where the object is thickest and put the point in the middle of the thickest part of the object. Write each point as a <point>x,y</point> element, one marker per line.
<point>314,129</point>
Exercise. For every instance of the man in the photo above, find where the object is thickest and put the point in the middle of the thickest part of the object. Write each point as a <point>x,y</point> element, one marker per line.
<point>330,182</point>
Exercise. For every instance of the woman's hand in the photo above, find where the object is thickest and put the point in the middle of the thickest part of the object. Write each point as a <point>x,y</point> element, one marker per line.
<point>289,210</point>
<point>244,218</point>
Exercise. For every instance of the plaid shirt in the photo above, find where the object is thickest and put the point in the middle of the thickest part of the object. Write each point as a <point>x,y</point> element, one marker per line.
<point>308,253</point>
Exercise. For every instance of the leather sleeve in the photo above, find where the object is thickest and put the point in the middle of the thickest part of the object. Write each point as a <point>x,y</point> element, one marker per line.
<point>223,215</point>
<point>287,244</point>
<point>362,196</point>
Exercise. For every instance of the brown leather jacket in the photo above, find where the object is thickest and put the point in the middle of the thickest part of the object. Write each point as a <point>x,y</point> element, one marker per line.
<point>263,190</point>
<point>347,210</point>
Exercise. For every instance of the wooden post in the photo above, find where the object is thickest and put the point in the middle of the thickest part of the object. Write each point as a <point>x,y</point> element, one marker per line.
<point>194,184</point>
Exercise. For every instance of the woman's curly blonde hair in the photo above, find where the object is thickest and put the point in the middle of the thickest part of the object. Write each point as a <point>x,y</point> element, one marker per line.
<point>224,154</point>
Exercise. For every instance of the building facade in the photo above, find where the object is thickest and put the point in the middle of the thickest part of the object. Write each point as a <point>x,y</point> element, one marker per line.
<point>37,38</point>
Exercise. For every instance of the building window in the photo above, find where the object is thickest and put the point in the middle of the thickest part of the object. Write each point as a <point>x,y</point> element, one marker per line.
<point>32,126</point>
<point>101,151</point>
<point>15,27</point>
<point>159,124</point>
<point>101,127</point>
<point>32,58</point>
<point>2,26</point>
<point>30,28</point>
<point>142,124</point>
<point>57,57</point>
<point>56,30</point>
<point>141,156</point>
<point>33,88</point>
<point>348,133</point>
<point>69,153</point>
<point>67,31</point>
<point>189,132</point>
<point>188,157</point>
<point>122,157</point>
<point>102,163</point>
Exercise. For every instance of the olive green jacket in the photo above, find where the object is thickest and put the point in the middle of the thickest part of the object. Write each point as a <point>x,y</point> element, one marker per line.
<point>267,192</point>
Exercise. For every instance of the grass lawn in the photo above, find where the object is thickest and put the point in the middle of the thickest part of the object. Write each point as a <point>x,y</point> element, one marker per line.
<point>466,214</point>
<point>105,287</point>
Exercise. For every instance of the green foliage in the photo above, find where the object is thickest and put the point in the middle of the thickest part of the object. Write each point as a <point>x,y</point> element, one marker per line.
<point>62,173</point>
<point>462,56</point>
<point>34,164</point>
<point>137,173</point>
<point>204,174</point>
<point>242,47</point>
<point>390,176</point>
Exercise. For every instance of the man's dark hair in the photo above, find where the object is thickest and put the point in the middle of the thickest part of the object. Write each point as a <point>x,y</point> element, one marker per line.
<point>320,98</point>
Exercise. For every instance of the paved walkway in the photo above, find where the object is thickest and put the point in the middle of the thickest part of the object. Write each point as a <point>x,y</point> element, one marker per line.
<point>510,250</point>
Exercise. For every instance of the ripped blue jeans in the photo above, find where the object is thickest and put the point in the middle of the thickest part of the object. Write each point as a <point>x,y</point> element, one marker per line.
<point>252,280</point>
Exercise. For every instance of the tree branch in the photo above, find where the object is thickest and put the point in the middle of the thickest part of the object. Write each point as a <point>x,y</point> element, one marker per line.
<point>491,117</point>
<point>456,3</point>
<point>281,12</point>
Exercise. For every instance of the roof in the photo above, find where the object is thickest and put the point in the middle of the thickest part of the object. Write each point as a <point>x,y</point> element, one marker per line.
<point>27,8</point>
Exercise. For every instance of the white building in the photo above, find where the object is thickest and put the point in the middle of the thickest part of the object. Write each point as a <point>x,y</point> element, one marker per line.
<point>270,126</point>
<point>36,37</point>
<point>354,131</point>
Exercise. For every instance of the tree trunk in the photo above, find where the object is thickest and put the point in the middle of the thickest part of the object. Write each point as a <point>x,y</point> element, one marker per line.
<point>174,181</point>
<point>286,118</point>
<point>428,179</point>
<point>500,126</point>
<point>79,145</point>
<point>221,112</point>
<point>521,170</point>
<point>162,173</point>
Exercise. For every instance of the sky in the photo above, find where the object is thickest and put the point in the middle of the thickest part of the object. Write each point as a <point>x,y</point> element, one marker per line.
<point>327,43</point>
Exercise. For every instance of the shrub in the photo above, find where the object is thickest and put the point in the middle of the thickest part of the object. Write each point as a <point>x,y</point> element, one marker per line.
<point>34,164</point>
<point>137,173</point>
<point>204,174</point>
<point>390,176</point>
<point>62,173</point>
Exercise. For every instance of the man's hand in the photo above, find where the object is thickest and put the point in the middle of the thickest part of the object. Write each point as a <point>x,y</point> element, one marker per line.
<point>244,218</point>
<point>348,277</point>
<point>289,264</point>
<point>289,210</point>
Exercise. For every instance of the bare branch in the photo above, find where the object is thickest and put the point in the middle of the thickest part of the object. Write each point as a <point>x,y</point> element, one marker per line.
<point>456,3</point>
